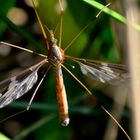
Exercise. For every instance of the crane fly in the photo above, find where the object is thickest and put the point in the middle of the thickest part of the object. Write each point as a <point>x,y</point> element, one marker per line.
<point>16,86</point>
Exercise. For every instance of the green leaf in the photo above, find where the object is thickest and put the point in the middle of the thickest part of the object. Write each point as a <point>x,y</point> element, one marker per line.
<point>112,13</point>
<point>3,137</point>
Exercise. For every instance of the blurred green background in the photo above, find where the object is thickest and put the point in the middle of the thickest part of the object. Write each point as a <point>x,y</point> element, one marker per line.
<point>103,40</point>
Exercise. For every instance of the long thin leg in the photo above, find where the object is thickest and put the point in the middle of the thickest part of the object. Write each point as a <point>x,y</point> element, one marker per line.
<point>24,49</point>
<point>30,102</point>
<point>112,117</point>
<point>89,22</point>
<point>41,26</point>
<point>77,79</point>
<point>61,24</point>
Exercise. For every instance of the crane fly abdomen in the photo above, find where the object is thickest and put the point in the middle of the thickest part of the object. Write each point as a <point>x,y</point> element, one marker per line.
<point>61,97</point>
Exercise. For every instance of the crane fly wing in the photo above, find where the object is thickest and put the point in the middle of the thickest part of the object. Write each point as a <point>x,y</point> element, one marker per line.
<point>103,72</point>
<point>16,86</point>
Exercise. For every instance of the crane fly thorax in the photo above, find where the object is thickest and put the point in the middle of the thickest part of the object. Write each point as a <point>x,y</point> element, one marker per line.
<point>56,54</point>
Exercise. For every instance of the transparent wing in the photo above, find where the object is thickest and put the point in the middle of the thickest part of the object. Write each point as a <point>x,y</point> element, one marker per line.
<point>103,72</point>
<point>14,87</point>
